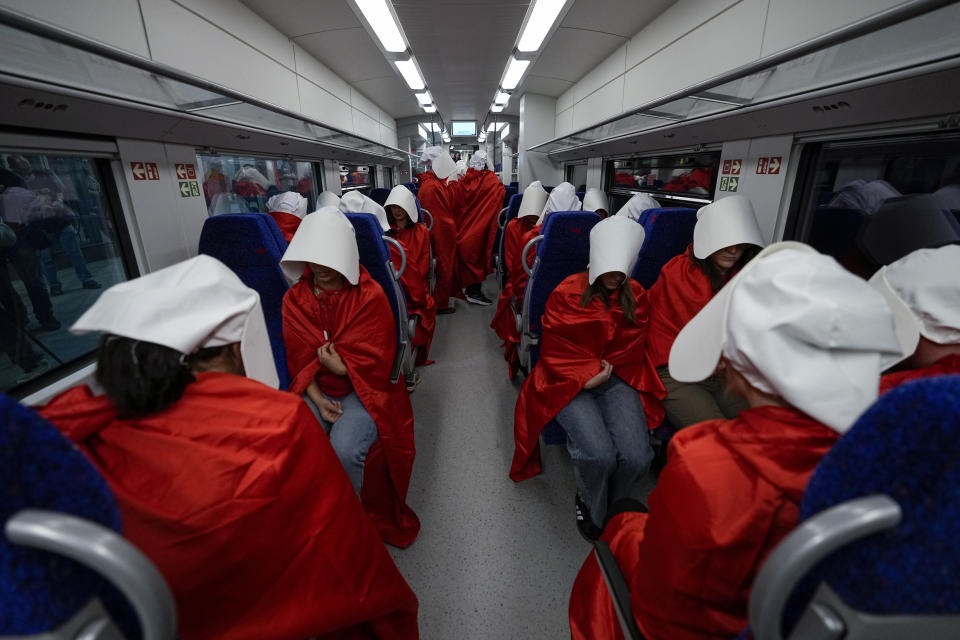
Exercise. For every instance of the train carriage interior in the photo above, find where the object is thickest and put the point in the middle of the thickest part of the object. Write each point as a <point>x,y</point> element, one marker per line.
<point>128,126</point>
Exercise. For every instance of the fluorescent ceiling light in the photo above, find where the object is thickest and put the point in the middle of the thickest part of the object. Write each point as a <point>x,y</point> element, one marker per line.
<point>430,126</point>
<point>446,137</point>
<point>429,108</point>
<point>381,20</point>
<point>515,69</point>
<point>482,136</point>
<point>423,132</point>
<point>502,98</point>
<point>410,73</point>
<point>424,98</point>
<point>541,19</point>
<point>504,132</point>
<point>496,108</point>
<point>496,126</point>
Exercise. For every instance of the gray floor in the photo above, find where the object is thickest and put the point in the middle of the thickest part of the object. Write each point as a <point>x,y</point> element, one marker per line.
<point>494,559</point>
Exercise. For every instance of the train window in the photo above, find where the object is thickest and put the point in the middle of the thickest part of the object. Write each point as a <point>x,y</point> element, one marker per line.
<point>355,177</point>
<point>843,185</point>
<point>690,177</point>
<point>577,176</point>
<point>238,184</point>
<point>60,246</point>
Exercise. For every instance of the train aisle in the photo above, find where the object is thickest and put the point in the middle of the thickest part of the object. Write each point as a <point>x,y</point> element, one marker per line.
<point>494,559</point>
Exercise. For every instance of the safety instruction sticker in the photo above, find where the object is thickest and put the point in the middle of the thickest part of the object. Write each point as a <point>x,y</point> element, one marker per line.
<point>188,188</point>
<point>144,171</point>
<point>185,171</point>
<point>768,166</point>
<point>730,178</point>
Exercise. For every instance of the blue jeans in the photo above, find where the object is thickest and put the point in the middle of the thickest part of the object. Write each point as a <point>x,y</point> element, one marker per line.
<point>351,435</point>
<point>608,443</point>
<point>71,246</point>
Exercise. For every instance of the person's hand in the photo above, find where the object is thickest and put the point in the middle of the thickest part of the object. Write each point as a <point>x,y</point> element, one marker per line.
<point>330,410</point>
<point>331,360</point>
<point>606,371</point>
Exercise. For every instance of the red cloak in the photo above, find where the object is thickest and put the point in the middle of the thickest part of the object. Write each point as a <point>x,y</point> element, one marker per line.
<point>573,342</point>
<point>729,495</point>
<point>946,366</point>
<point>237,496</point>
<point>438,199</point>
<point>366,340</point>
<point>415,240</point>
<point>678,294</point>
<point>515,236</point>
<point>287,222</point>
<point>481,198</point>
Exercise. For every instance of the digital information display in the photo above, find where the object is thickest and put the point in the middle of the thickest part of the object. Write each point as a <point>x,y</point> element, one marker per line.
<point>463,128</point>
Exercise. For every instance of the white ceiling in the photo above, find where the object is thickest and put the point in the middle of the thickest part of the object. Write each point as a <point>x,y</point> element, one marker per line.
<point>462,47</point>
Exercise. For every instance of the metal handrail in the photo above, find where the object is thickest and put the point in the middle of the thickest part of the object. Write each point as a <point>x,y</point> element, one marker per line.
<point>403,256</point>
<point>523,255</point>
<point>429,215</point>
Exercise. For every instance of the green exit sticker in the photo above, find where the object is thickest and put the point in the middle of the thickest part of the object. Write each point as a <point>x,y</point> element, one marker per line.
<point>733,184</point>
<point>188,188</point>
<point>723,183</point>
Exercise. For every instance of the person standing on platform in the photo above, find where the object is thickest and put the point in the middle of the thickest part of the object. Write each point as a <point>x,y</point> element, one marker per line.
<point>437,198</point>
<point>481,198</point>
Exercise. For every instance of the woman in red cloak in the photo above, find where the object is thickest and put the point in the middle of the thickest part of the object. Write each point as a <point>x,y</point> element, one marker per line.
<point>339,332</point>
<point>591,376</point>
<point>809,365</point>
<point>515,236</point>
<point>437,198</point>
<point>229,486</point>
<point>725,238</point>
<point>403,219</point>
<point>481,198</point>
<point>922,287</point>
<point>287,210</point>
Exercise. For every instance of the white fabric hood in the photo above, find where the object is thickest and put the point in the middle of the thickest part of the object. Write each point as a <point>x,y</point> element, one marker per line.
<point>479,161</point>
<point>533,200</point>
<point>356,202</point>
<point>288,202</point>
<point>563,197</point>
<point>636,205</point>
<point>595,200</point>
<point>615,244</point>
<point>440,161</point>
<point>327,199</point>
<point>799,326</point>
<point>403,198</point>
<point>325,237</point>
<point>187,306</point>
<point>724,223</point>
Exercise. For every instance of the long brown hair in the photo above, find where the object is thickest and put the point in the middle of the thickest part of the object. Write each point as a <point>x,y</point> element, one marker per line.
<point>624,294</point>
<point>716,278</point>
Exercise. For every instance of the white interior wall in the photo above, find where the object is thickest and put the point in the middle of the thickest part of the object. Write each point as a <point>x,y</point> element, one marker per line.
<point>691,42</point>
<point>536,126</point>
<point>224,42</point>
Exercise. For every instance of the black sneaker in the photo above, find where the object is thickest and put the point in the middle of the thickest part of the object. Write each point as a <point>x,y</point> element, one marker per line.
<point>475,295</point>
<point>412,381</point>
<point>585,525</point>
<point>56,290</point>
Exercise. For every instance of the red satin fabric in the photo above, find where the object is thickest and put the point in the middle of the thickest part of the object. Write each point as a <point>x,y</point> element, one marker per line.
<point>573,342</point>
<point>946,366</point>
<point>515,236</point>
<point>287,222</point>
<point>366,340</point>
<point>480,200</point>
<point>678,294</point>
<point>439,200</point>
<point>728,496</point>
<point>415,240</point>
<point>236,495</point>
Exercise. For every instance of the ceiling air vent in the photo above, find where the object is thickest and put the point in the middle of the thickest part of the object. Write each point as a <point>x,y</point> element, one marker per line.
<point>820,108</point>
<point>29,103</point>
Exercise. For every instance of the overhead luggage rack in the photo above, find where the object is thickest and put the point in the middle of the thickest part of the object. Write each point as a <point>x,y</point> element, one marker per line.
<point>858,52</point>
<point>42,56</point>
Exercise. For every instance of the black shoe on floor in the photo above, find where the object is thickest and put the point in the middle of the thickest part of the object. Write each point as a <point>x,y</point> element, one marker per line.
<point>446,311</point>
<point>50,324</point>
<point>475,295</point>
<point>56,290</point>
<point>585,525</point>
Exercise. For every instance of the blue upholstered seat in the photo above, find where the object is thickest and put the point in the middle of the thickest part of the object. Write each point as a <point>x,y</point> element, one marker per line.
<point>668,232</point>
<point>580,195</point>
<point>563,251</point>
<point>40,469</point>
<point>379,195</point>
<point>251,245</point>
<point>499,260</point>
<point>375,258</point>
<point>508,193</point>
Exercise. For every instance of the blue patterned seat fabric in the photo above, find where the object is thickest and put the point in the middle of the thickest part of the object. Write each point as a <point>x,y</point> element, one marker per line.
<point>508,193</point>
<point>668,232</point>
<point>251,245</point>
<point>41,469</point>
<point>564,251</point>
<point>513,207</point>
